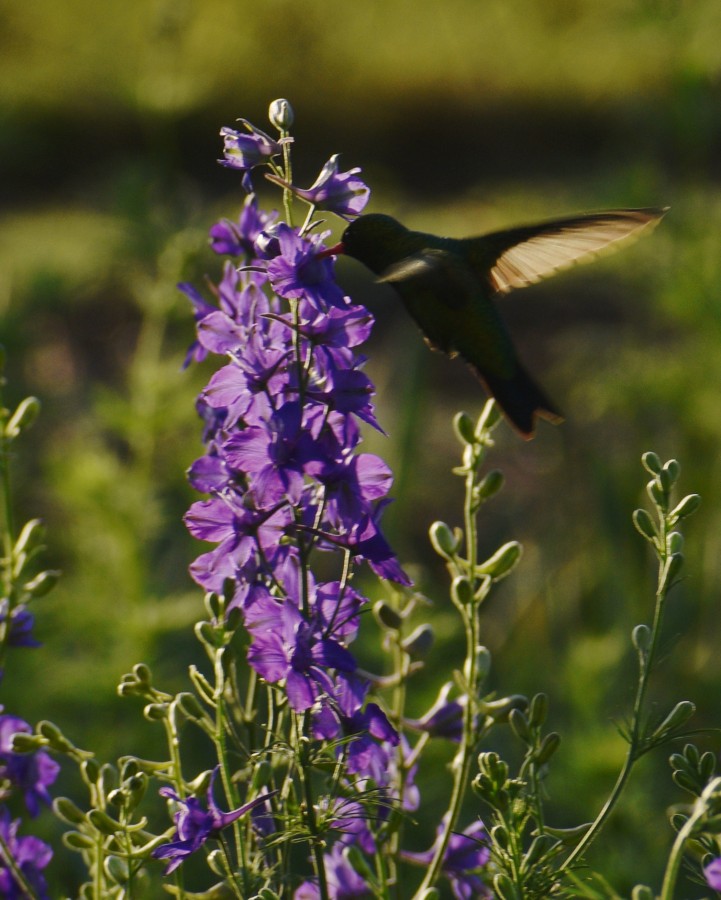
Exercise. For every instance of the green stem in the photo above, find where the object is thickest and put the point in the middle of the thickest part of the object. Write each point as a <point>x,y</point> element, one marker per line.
<point>674,861</point>
<point>469,737</point>
<point>312,823</point>
<point>635,741</point>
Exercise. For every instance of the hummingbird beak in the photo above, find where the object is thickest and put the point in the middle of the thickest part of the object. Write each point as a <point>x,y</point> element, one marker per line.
<point>336,250</point>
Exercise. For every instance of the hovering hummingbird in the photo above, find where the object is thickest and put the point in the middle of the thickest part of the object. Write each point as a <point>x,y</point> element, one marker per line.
<point>448,285</point>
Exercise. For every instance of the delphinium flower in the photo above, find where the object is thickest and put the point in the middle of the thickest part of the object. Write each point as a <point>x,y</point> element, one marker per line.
<point>286,480</point>
<point>713,874</point>
<point>30,773</point>
<point>197,823</point>
<point>464,861</point>
<point>29,855</point>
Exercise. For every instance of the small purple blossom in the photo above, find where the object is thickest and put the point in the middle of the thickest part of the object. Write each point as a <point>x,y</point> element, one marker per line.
<point>31,773</point>
<point>444,718</point>
<point>238,238</point>
<point>30,854</point>
<point>286,647</point>
<point>246,151</point>
<point>196,823</point>
<point>22,622</point>
<point>342,193</point>
<point>712,873</point>
<point>297,271</point>
<point>344,883</point>
<point>464,862</point>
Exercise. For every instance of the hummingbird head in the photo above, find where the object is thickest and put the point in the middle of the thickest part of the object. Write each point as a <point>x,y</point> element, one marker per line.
<point>375,240</point>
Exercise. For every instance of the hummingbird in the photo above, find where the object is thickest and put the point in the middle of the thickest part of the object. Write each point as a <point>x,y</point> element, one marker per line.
<point>449,285</point>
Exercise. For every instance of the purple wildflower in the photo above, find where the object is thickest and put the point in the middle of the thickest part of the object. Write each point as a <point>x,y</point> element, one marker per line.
<point>344,883</point>
<point>21,625</point>
<point>32,773</point>
<point>246,151</point>
<point>342,193</point>
<point>29,853</point>
<point>286,647</point>
<point>464,861</point>
<point>196,823</point>
<point>712,873</point>
<point>371,737</point>
<point>297,270</point>
<point>444,718</point>
<point>238,238</point>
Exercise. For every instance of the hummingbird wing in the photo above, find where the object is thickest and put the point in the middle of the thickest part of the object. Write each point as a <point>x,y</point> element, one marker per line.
<point>522,256</point>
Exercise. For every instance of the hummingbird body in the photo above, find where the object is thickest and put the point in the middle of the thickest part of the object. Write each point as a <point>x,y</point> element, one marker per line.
<point>448,286</point>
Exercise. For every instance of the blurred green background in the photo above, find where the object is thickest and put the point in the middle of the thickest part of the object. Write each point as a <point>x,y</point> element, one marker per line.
<point>465,116</point>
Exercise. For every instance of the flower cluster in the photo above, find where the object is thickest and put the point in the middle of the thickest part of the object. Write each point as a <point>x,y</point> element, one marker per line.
<point>288,486</point>
<point>30,775</point>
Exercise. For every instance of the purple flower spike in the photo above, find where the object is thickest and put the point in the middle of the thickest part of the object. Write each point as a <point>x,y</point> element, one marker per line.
<point>196,823</point>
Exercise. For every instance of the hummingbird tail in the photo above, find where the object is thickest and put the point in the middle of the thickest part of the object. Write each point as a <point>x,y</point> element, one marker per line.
<point>522,400</point>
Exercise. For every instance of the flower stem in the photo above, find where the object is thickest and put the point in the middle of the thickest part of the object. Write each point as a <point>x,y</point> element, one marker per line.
<point>636,738</point>
<point>469,737</point>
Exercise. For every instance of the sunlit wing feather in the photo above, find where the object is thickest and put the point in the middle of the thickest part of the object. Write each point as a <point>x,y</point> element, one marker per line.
<point>527,255</point>
<point>419,265</point>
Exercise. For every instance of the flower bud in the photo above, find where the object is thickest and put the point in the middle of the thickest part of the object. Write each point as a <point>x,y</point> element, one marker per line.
<point>386,616</point>
<point>27,743</point>
<point>43,583</point>
<point>678,716</point>
<point>674,542</point>
<point>23,417</point>
<point>538,710</point>
<point>548,747</point>
<point>65,809</point>
<point>445,542</point>
<point>519,723</point>
<point>643,523</point>
<point>31,536</point>
<point>488,419</point>
<point>461,591</point>
<point>189,704</point>
<point>673,468</point>
<point>156,712</point>
<point>499,836</point>
<point>503,887</point>
<point>281,115</point>
<point>208,635</point>
<point>642,892</point>
<point>417,644</point>
<point>77,841</point>
<point>655,492</point>
<point>463,426</point>
<point>651,462</point>
<point>116,869</point>
<point>502,561</point>
<point>103,822</point>
<point>491,484</point>
<point>499,710</point>
<point>641,637</point>
<point>687,506</point>
<point>55,738</point>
